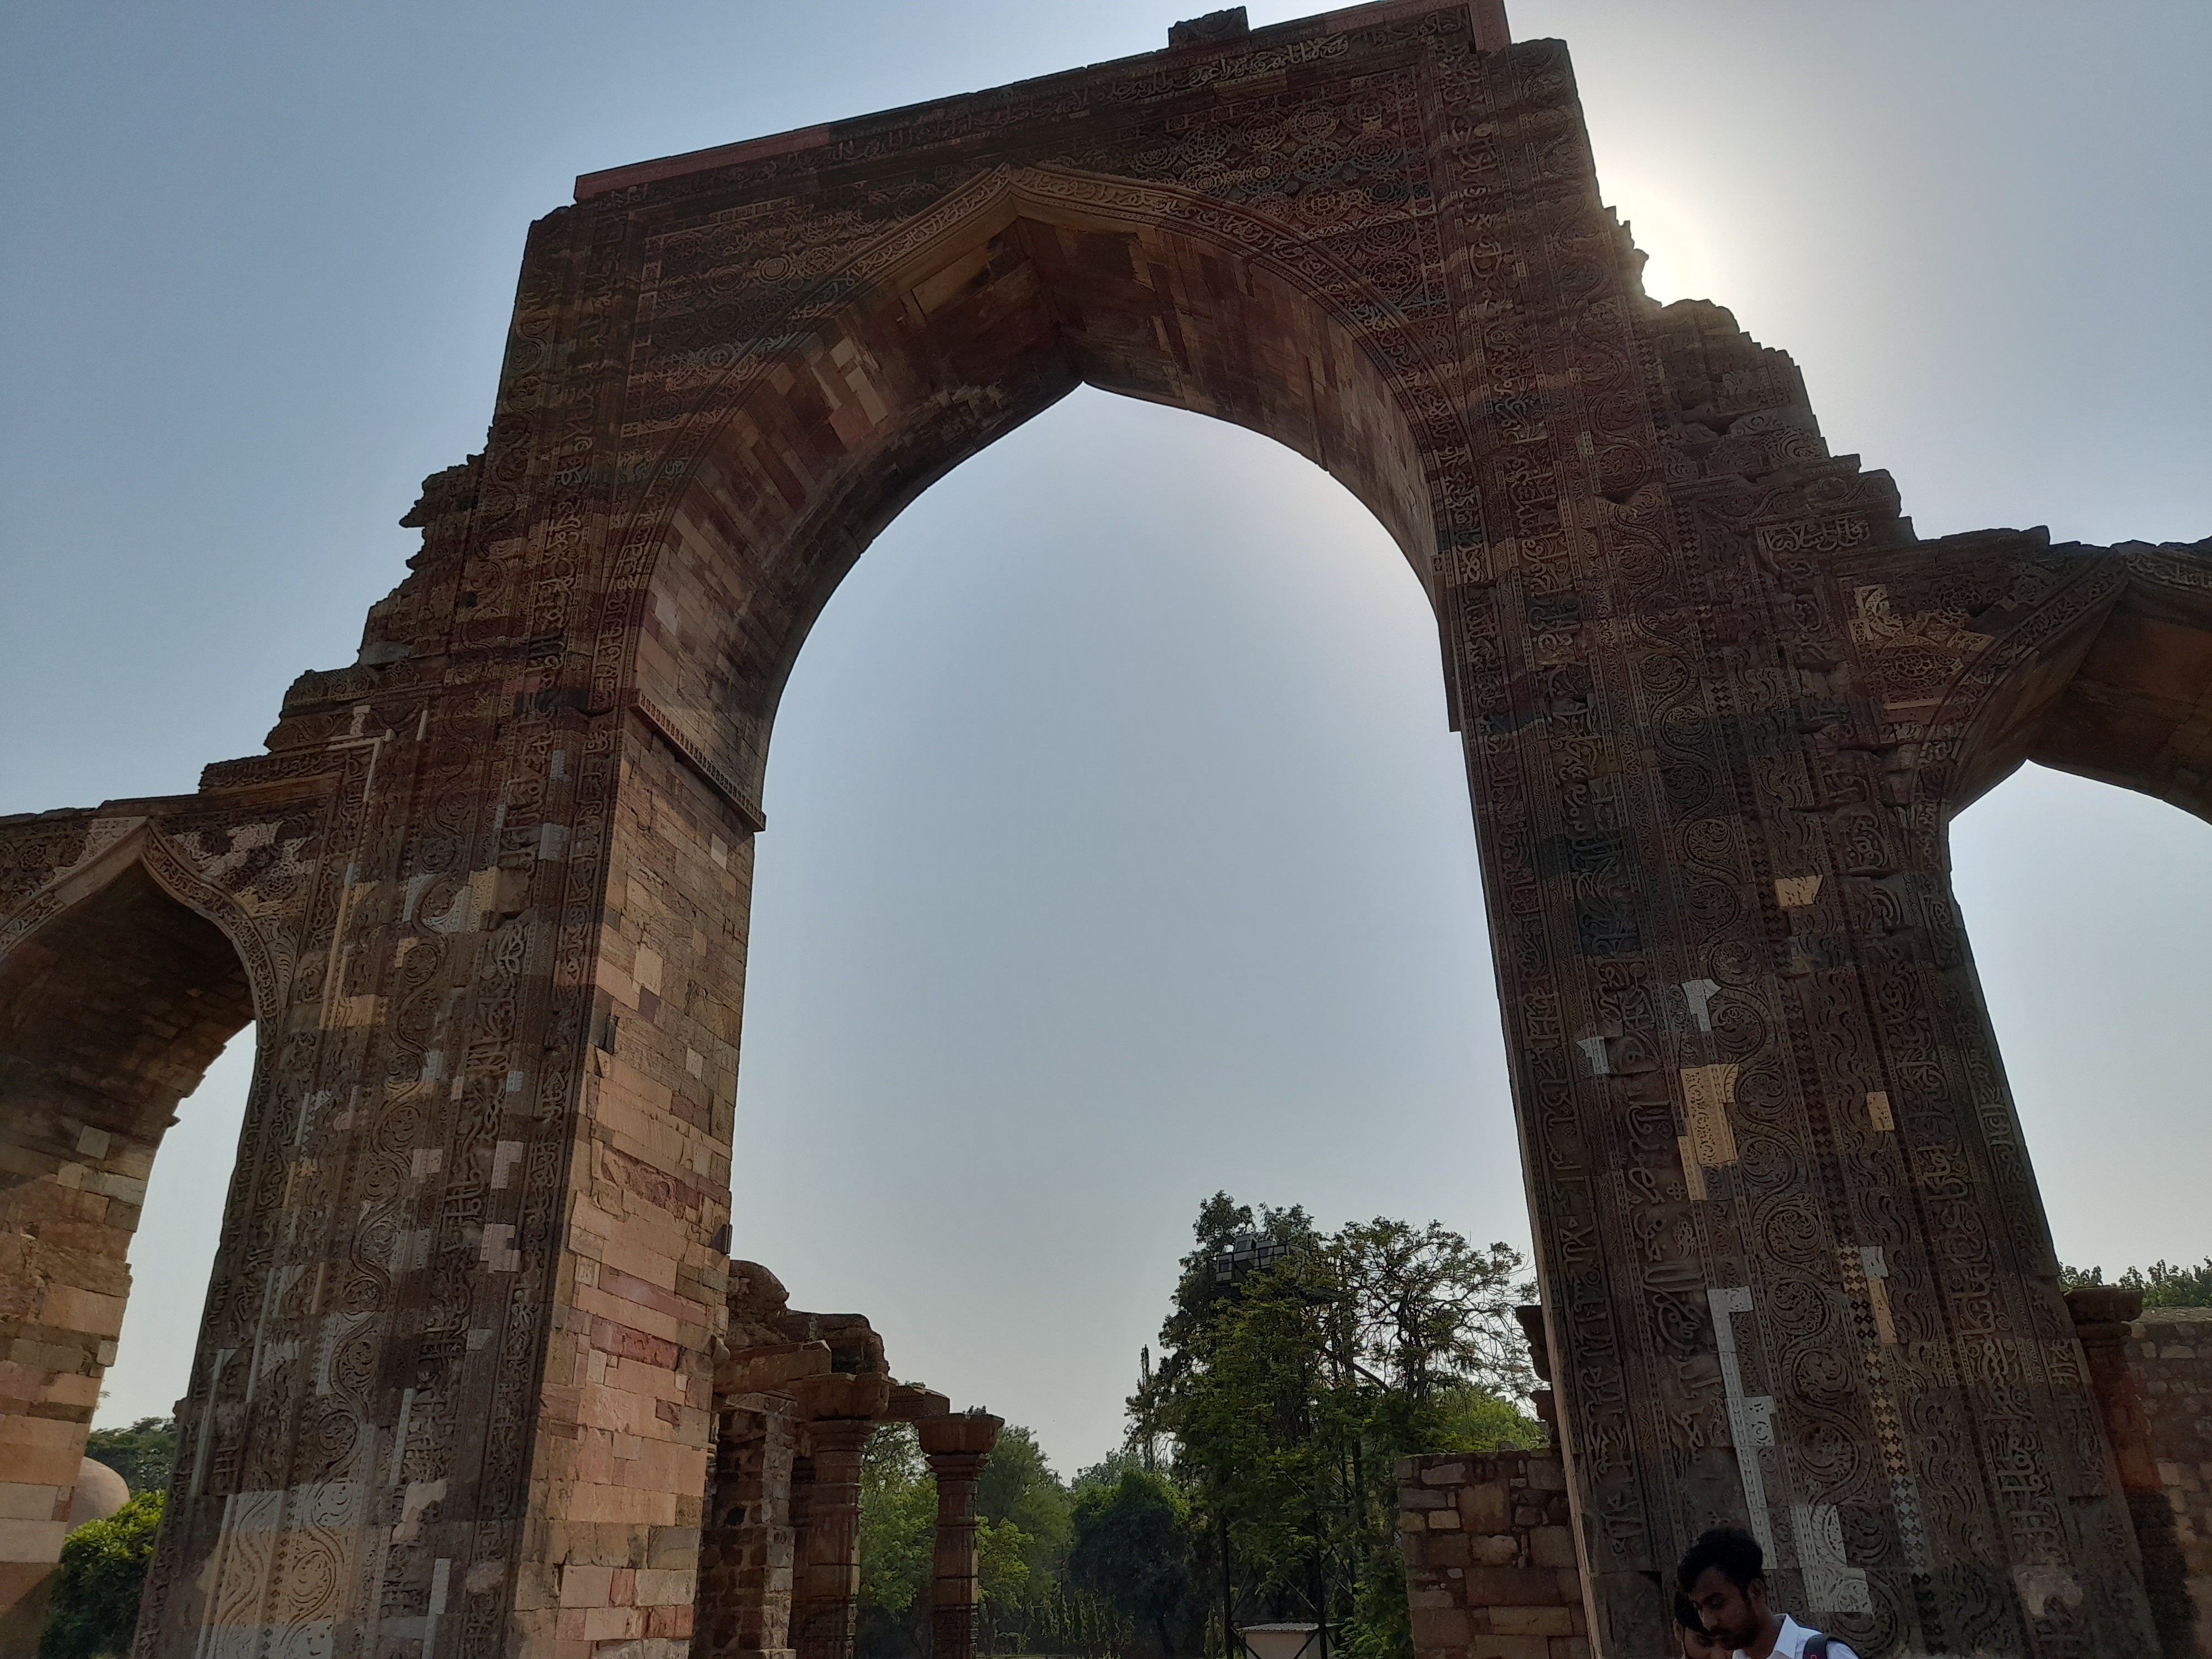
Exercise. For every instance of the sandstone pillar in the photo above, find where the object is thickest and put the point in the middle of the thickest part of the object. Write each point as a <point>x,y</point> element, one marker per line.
<point>829,1573</point>
<point>958,1446</point>
<point>830,1584</point>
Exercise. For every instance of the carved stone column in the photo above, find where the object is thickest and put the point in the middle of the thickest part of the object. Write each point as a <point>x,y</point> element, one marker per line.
<point>958,1448</point>
<point>828,1578</point>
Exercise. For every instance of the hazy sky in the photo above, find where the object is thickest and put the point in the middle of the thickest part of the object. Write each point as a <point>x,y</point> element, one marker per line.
<point>1119,851</point>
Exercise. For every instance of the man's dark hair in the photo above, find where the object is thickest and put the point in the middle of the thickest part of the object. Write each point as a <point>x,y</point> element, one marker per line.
<point>1733,1550</point>
<point>1687,1615</point>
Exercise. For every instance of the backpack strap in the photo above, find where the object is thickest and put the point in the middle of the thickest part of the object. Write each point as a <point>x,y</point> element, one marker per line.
<point>1816,1645</point>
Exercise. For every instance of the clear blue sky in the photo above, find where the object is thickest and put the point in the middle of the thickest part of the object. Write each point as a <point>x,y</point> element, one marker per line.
<point>1119,849</point>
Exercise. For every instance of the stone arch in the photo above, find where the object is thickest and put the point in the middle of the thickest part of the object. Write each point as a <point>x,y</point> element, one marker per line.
<point>2110,679</point>
<point>1716,697</point>
<point>124,980</point>
<point>2137,710</point>
<point>1028,284</point>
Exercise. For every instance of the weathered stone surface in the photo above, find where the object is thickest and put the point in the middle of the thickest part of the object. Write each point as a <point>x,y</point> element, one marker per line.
<point>1502,1580</point>
<point>487,894</point>
<point>958,1447</point>
<point>2152,1371</point>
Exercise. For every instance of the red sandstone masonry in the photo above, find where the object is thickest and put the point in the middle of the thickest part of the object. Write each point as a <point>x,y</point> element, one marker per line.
<point>2152,1371</point>
<point>1491,1570</point>
<point>488,890</point>
<point>2170,1352</point>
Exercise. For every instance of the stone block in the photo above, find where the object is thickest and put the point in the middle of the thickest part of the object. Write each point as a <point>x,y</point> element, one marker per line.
<point>1446,1549</point>
<point>1485,1507</point>
<point>1507,1647</point>
<point>1439,1627</point>
<point>1533,1621</point>
<point>1546,1473</point>
<point>1494,1549</point>
<point>25,1501</point>
<point>1552,1546</point>
<point>1531,1587</point>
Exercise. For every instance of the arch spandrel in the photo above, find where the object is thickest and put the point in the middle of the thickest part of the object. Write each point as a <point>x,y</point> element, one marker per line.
<point>1040,283</point>
<point>1983,652</point>
<point>2137,710</point>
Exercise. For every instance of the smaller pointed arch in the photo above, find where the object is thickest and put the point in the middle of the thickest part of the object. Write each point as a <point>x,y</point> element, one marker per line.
<point>118,990</point>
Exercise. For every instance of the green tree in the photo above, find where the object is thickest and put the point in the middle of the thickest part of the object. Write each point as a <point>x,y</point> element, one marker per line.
<point>142,1454</point>
<point>898,1541</point>
<point>1022,1528</point>
<point>97,1586</point>
<point>1132,1548</point>
<point>1468,1418</point>
<point>1106,1472</point>
<point>2162,1284</point>
<point>1028,1511</point>
<point>1297,1367</point>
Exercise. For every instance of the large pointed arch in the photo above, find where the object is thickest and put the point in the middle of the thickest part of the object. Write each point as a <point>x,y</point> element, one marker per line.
<point>939,338</point>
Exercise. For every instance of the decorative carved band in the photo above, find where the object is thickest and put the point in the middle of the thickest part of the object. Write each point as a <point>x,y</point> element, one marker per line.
<point>713,776</point>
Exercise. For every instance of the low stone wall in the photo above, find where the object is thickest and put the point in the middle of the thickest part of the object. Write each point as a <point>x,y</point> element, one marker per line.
<point>1491,1570</point>
<point>2152,1371</point>
<point>2170,1352</point>
<point>2171,1359</point>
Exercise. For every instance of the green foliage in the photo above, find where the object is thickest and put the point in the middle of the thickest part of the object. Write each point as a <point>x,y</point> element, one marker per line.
<point>1022,1528</point>
<point>1002,1565</point>
<point>1029,1511</point>
<point>96,1588</point>
<point>142,1454</point>
<point>2163,1284</point>
<point>898,1521</point>
<point>1107,1472</point>
<point>1297,1367</point>
<point>1133,1548</point>
<point>1471,1418</point>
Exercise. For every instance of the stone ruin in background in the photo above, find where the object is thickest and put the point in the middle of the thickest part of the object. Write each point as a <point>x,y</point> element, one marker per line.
<point>795,1398</point>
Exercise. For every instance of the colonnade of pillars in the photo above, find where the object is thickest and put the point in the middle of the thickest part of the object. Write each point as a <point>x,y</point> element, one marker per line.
<point>780,1540</point>
<point>780,1557</point>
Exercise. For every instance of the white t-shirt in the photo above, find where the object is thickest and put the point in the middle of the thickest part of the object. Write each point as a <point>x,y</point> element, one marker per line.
<point>1790,1643</point>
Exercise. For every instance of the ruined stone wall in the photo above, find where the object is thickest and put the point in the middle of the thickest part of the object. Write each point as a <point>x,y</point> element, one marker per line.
<point>2169,1350</point>
<point>1491,1570</point>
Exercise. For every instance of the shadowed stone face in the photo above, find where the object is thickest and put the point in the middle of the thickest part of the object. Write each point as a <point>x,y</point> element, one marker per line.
<point>487,894</point>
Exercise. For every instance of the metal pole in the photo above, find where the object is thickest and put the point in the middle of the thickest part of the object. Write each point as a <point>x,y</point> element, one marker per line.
<point>1229,1643</point>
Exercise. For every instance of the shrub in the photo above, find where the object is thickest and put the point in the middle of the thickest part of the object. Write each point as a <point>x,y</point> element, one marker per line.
<point>103,1569</point>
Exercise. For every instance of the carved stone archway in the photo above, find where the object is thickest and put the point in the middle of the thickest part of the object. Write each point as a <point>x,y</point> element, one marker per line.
<point>125,965</point>
<point>1718,703</point>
